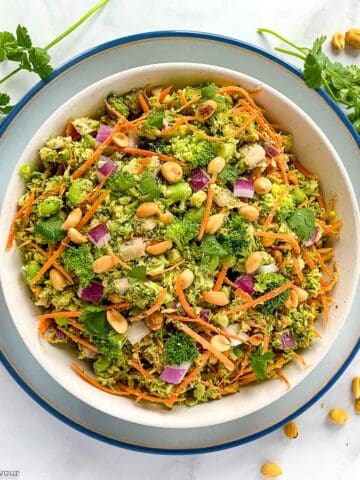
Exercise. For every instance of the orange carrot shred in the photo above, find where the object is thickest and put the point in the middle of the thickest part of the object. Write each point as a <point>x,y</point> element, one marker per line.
<point>181,296</point>
<point>93,382</point>
<point>141,369</point>
<point>165,93</point>
<point>55,265</point>
<point>207,345</point>
<point>44,324</point>
<point>70,314</point>
<point>78,340</point>
<point>143,103</point>
<point>308,260</point>
<point>325,302</point>
<point>221,277</point>
<point>281,236</point>
<point>281,164</point>
<point>141,395</point>
<point>323,265</point>
<point>297,267</point>
<point>148,153</point>
<point>303,170</point>
<point>209,201</point>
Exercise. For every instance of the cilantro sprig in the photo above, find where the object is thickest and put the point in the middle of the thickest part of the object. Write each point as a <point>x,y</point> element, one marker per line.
<point>341,82</point>
<point>19,49</point>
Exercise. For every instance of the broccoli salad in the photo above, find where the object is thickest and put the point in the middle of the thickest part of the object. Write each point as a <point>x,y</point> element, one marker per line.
<point>176,244</point>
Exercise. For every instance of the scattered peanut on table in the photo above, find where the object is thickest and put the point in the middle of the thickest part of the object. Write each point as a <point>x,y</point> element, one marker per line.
<point>271,470</point>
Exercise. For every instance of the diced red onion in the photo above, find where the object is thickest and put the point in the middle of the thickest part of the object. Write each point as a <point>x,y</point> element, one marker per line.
<point>92,293</point>
<point>287,340</point>
<point>234,330</point>
<point>59,334</point>
<point>243,188</point>
<point>122,285</point>
<point>271,268</point>
<point>105,167</point>
<point>270,150</point>
<point>312,239</point>
<point>99,235</point>
<point>136,332</point>
<point>246,283</point>
<point>175,373</point>
<point>89,353</point>
<point>135,248</point>
<point>198,179</point>
<point>204,315</point>
<point>103,133</point>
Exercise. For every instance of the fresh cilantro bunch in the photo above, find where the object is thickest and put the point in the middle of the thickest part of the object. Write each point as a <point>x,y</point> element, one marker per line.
<point>341,82</point>
<point>19,48</point>
<point>259,362</point>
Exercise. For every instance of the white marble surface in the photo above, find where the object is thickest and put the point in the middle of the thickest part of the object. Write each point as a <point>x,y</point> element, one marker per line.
<point>43,448</point>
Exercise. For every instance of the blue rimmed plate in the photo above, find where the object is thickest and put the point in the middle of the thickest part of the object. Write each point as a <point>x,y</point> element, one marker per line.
<point>105,60</point>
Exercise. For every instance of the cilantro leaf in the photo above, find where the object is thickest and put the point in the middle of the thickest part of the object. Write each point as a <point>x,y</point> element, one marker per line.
<point>155,120</point>
<point>149,187</point>
<point>23,37</point>
<point>313,69</point>
<point>40,62</point>
<point>5,108</point>
<point>7,44</point>
<point>211,246</point>
<point>259,362</point>
<point>50,229</point>
<point>94,320</point>
<point>121,182</point>
<point>138,273</point>
<point>209,91</point>
<point>302,222</point>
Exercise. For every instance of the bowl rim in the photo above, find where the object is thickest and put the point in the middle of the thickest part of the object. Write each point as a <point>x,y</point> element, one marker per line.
<point>218,38</point>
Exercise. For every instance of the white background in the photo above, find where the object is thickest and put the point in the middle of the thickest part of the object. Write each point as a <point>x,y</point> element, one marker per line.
<point>40,446</point>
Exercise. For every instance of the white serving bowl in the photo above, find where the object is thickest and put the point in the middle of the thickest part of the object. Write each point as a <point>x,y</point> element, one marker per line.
<point>313,150</point>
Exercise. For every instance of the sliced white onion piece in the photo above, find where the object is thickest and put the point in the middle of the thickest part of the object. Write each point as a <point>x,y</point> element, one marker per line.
<point>271,268</point>
<point>133,249</point>
<point>136,332</point>
<point>234,330</point>
<point>122,285</point>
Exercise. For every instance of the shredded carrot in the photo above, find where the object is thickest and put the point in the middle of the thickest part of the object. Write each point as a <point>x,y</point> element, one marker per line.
<point>267,296</point>
<point>29,204</point>
<point>280,236</point>
<point>141,369</point>
<point>321,201</point>
<point>308,260</point>
<point>178,122</point>
<point>94,383</point>
<point>159,301</point>
<point>117,259</point>
<point>95,193</point>
<point>148,153</point>
<point>325,302</point>
<point>266,343</point>
<point>17,217</point>
<point>44,324</point>
<point>186,104</point>
<point>78,340</point>
<point>70,314</point>
<point>232,134</point>
<point>297,268</point>
<point>301,359</point>
<point>303,170</point>
<point>245,379</point>
<point>115,112</point>
<point>221,277</point>
<point>77,325</point>
<point>143,103</point>
<point>95,156</point>
<point>238,90</point>
<point>69,128</point>
<point>331,228</point>
<point>209,201</point>
<point>292,178</point>
<point>55,265</point>
<point>93,209</point>
<point>322,264</point>
<point>143,396</point>
<point>207,345</point>
<point>181,296</point>
<point>188,379</point>
<point>281,164</point>
<point>283,378</point>
<point>164,93</point>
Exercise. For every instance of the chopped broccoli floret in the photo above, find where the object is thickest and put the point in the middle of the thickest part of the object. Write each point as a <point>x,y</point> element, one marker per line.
<point>192,149</point>
<point>179,348</point>
<point>117,103</point>
<point>142,294</point>
<point>50,229</point>
<point>78,191</point>
<point>49,206</point>
<point>149,187</point>
<point>181,232</point>
<point>178,192</point>
<point>227,176</point>
<point>286,208</point>
<point>121,182</point>
<point>266,282</point>
<point>235,238</point>
<point>79,260</point>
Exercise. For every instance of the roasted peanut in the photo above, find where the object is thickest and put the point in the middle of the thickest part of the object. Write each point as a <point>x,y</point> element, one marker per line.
<point>301,293</point>
<point>166,218</point>
<point>57,280</point>
<point>117,321</point>
<point>338,40</point>
<point>271,470</point>
<point>268,241</point>
<point>215,222</point>
<point>292,301</point>
<point>277,255</point>
<point>352,38</point>
<point>253,261</point>
<point>216,298</point>
<point>159,248</point>
<point>104,264</point>
<point>72,219</point>
<point>155,321</point>
<point>120,139</point>
<point>357,405</point>
<point>338,416</point>
<point>114,298</point>
<point>262,185</point>
<point>186,278</point>
<point>76,237</point>
<point>250,212</point>
<point>220,342</point>
<point>216,165</point>
<point>172,172</point>
<point>147,209</point>
<point>355,387</point>
<point>206,109</point>
<point>291,430</point>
